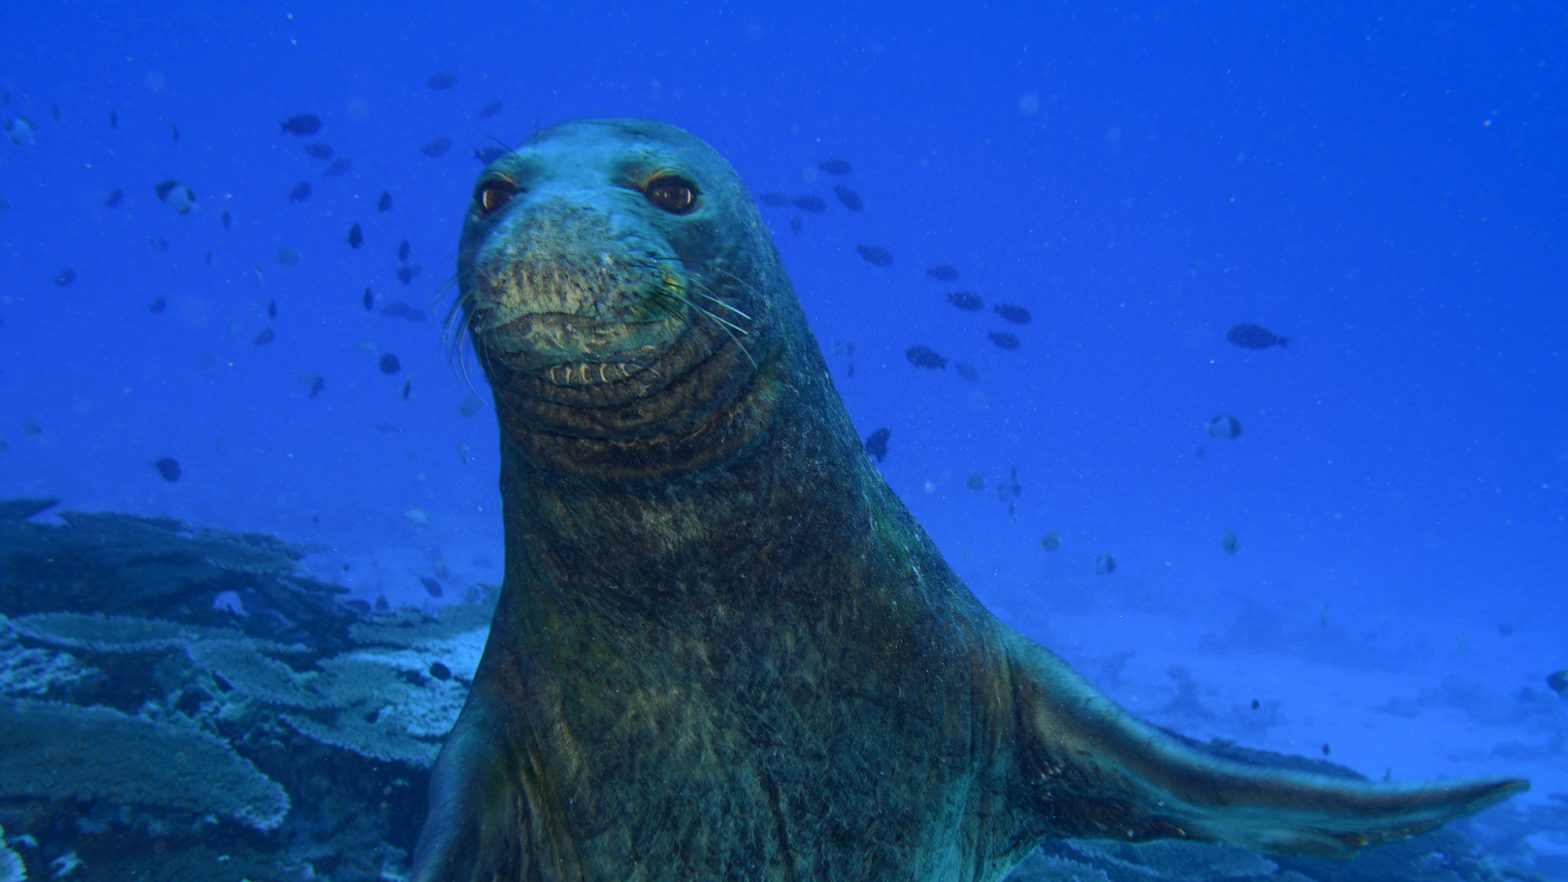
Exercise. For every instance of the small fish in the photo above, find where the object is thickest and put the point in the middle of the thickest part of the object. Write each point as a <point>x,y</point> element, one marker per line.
<point>1051,541</point>
<point>776,200</point>
<point>441,81</point>
<point>176,195</point>
<point>403,311</point>
<point>337,167</point>
<point>1224,427</point>
<point>975,482</point>
<point>368,298</point>
<point>968,371</point>
<point>432,587</point>
<point>356,236</point>
<point>114,118</point>
<point>470,405</point>
<point>1255,337</point>
<point>115,197</point>
<point>32,427</point>
<point>968,301</point>
<point>813,204</point>
<point>318,383</point>
<point>403,250</point>
<point>875,256</point>
<point>168,468</point>
<point>489,110</point>
<point>301,124</point>
<point>266,337</point>
<point>1012,312</point>
<point>794,225</point>
<point>1256,704</point>
<point>301,192</point>
<point>848,198</point>
<point>943,273</point>
<point>876,443</point>
<point>320,150</point>
<point>389,364</point>
<point>408,389</point>
<point>381,602</point>
<point>158,306</point>
<point>54,112</point>
<point>1558,682</point>
<point>437,148</point>
<point>157,244</point>
<point>440,671</point>
<point>1003,340</point>
<point>1104,565</point>
<point>407,272</point>
<point>19,130</point>
<point>1229,542</point>
<point>288,255</point>
<point>227,218</point>
<point>65,277</point>
<point>924,357</point>
<point>488,155</point>
<point>385,202</point>
<point>174,132</point>
<point>272,309</point>
<point>835,167</point>
<point>1326,749</point>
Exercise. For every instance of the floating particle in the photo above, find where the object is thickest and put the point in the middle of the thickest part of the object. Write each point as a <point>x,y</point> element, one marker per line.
<point>848,198</point>
<point>176,195</point>
<point>389,364</point>
<point>356,236</point>
<point>943,273</point>
<point>437,148</point>
<point>924,357</point>
<point>168,468</point>
<point>1012,312</point>
<point>301,124</point>
<point>1003,340</point>
<point>1255,337</point>
<point>874,255</point>
<point>876,443</point>
<point>968,301</point>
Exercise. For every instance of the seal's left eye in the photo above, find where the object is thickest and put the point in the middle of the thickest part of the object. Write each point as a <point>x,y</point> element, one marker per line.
<point>673,194</point>
<point>495,194</point>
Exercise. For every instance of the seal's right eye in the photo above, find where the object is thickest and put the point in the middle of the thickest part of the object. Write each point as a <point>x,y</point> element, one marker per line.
<point>494,194</point>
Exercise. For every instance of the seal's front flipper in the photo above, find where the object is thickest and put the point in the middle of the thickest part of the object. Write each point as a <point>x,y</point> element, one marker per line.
<point>1090,769</point>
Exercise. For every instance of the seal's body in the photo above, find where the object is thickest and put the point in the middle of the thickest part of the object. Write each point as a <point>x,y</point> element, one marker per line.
<point>723,648</point>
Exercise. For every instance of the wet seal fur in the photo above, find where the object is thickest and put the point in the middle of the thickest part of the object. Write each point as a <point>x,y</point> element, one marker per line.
<point>723,649</point>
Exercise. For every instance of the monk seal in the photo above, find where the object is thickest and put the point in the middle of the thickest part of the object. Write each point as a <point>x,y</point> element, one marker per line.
<point>723,648</point>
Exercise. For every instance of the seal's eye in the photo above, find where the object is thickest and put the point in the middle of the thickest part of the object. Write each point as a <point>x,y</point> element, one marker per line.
<point>673,194</point>
<point>494,194</point>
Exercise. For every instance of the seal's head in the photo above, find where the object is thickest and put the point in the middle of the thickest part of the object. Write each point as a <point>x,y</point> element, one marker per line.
<point>614,277</point>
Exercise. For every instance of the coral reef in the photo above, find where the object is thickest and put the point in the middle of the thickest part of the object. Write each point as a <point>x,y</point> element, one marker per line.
<point>11,867</point>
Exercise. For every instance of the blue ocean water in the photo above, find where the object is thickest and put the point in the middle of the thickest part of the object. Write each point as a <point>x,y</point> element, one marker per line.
<point>1381,183</point>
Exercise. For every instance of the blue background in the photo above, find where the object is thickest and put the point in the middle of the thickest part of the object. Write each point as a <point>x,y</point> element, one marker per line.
<point>1384,184</point>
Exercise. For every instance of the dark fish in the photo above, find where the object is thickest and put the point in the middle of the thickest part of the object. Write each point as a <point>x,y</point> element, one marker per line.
<point>403,311</point>
<point>369,298</point>
<point>385,202</point>
<point>813,204</point>
<point>116,196</point>
<point>1104,565</point>
<point>848,198</point>
<point>1326,749</point>
<point>875,256</point>
<point>114,118</point>
<point>1229,542</point>
<point>834,166</point>
<point>382,605</point>
<point>407,272</point>
<point>317,384</point>
<point>967,371</point>
<point>266,336</point>
<point>226,218</point>
<point>1558,682</point>
<point>440,671</point>
<point>876,443</point>
<point>390,364</point>
<point>436,148</point>
<point>1255,337</point>
<point>431,586</point>
<point>176,195</point>
<point>923,357</point>
<point>777,200</point>
<point>158,306</point>
<point>408,389</point>
<point>157,245</point>
<point>288,255</point>
<point>356,236</point>
<point>968,301</point>
<point>301,124</point>
<point>272,309</point>
<point>488,155</point>
<point>301,192</point>
<point>54,112</point>
<point>1012,312</point>
<point>319,150</point>
<point>942,272</point>
<point>975,482</point>
<point>1224,427</point>
<point>403,250</point>
<point>442,81</point>
<point>1051,541</point>
<point>168,468</point>
<point>1003,339</point>
<point>65,277</point>
<point>794,225</point>
<point>174,131</point>
<point>489,110</point>
<point>1256,704</point>
<point>337,167</point>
